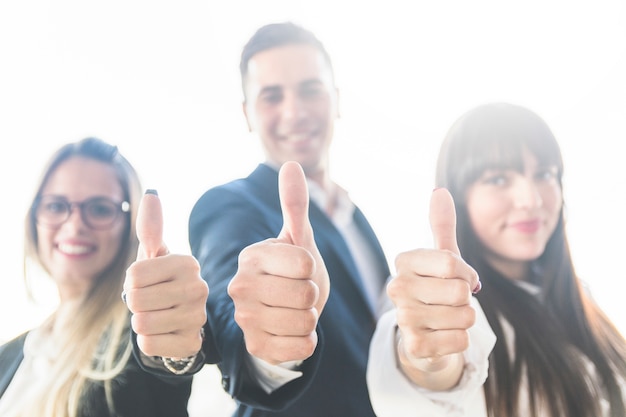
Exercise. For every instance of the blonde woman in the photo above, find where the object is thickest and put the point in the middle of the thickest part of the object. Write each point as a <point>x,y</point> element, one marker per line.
<point>81,230</point>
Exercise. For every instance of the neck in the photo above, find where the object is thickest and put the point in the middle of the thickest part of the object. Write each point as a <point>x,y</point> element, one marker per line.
<point>513,270</point>
<point>64,315</point>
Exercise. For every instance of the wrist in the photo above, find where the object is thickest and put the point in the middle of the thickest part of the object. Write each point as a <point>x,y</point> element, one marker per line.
<point>179,366</point>
<point>437,373</point>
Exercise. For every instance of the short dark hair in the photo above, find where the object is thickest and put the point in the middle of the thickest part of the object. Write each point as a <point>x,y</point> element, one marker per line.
<point>278,34</point>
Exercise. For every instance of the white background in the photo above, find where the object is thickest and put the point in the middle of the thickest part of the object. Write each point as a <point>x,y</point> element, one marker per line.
<point>160,79</point>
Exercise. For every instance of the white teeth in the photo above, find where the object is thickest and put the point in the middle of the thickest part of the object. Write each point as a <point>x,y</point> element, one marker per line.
<point>74,249</point>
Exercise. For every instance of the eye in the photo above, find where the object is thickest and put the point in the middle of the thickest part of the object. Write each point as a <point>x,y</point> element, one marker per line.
<point>495,178</point>
<point>546,174</point>
<point>101,209</point>
<point>308,91</point>
<point>271,96</point>
<point>54,206</point>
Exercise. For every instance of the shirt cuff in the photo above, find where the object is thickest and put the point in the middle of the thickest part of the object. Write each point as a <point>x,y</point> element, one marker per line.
<point>271,377</point>
<point>393,394</point>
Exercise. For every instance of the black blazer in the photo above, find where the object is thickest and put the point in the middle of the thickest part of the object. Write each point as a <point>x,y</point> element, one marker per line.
<point>136,393</point>
<point>230,217</point>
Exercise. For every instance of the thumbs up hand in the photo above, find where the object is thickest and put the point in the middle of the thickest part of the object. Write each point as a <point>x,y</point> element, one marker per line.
<point>432,291</point>
<point>164,292</point>
<point>282,285</point>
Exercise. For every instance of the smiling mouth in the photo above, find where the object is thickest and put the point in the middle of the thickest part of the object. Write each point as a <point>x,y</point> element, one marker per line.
<point>530,226</point>
<point>69,249</point>
<point>298,137</point>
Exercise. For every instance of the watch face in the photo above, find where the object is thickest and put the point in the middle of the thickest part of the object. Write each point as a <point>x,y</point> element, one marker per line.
<point>179,366</point>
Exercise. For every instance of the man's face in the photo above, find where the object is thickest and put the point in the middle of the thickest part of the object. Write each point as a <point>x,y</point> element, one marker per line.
<point>291,103</point>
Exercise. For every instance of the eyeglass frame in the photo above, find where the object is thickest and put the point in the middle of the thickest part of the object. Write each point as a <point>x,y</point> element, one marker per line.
<point>120,208</point>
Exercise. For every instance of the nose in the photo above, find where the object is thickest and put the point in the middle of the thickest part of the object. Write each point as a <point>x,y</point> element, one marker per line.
<point>527,195</point>
<point>292,106</point>
<point>75,217</point>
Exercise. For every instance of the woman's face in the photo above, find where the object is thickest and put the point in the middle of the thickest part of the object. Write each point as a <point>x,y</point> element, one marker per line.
<point>514,214</point>
<point>73,252</point>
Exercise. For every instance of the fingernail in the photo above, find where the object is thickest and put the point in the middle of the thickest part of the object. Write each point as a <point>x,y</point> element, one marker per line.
<point>152,191</point>
<point>478,287</point>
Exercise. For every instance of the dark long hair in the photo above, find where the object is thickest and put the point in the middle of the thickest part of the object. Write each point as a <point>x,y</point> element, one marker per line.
<point>552,330</point>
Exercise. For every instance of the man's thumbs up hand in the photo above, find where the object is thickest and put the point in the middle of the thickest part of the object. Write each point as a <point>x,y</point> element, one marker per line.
<point>297,230</point>
<point>282,285</point>
<point>164,292</point>
<point>432,291</point>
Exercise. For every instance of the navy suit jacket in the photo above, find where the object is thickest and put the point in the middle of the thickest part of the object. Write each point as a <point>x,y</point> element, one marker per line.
<point>230,217</point>
<point>136,393</point>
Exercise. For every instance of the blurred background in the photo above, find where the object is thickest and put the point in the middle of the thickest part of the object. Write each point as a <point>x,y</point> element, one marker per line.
<point>160,79</point>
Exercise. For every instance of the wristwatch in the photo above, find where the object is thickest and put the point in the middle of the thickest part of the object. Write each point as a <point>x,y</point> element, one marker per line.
<point>179,366</point>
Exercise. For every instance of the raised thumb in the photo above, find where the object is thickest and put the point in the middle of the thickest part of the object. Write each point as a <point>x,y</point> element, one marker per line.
<point>443,220</point>
<point>294,203</point>
<point>150,226</point>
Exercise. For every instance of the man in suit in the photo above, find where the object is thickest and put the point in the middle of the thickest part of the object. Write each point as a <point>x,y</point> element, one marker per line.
<point>288,345</point>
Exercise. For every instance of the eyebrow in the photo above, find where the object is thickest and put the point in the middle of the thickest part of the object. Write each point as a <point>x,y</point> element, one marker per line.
<point>271,89</point>
<point>278,88</point>
<point>313,81</point>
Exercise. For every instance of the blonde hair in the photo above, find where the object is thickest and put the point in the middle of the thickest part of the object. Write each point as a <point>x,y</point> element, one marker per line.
<point>96,347</point>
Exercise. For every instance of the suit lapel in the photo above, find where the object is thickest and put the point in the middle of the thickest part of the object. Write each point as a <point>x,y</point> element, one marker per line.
<point>11,355</point>
<point>327,235</point>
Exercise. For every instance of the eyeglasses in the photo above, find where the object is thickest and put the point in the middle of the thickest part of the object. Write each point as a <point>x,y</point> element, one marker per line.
<point>97,213</point>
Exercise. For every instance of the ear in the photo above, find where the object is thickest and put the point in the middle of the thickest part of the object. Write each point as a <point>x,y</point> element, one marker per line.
<point>337,103</point>
<point>244,108</point>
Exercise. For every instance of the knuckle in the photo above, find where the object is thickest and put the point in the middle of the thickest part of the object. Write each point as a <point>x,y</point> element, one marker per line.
<point>396,287</point>
<point>309,321</point>
<point>305,264</point>
<point>193,344</point>
<point>258,344</point>
<point>403,257</point>
<point>247,258</point>
<point>198,319</point>
<point>242,318</point>
<point>306,346</point>
<point>449,262</point>
<point>417,347</point>
<point>459,291</point>
<point>235,287</point>
<point>131,274</point>
<point>190,265</point>
<point>469,317</point>
<point>403,318</point>
<point>198,290</point>
<point>309,294</point>
<point>139,323</point>
<point>253,348</point>
<point>392,288</point>
<point>462,340</point>
<point>203,290</point>
<point>146,345</point>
